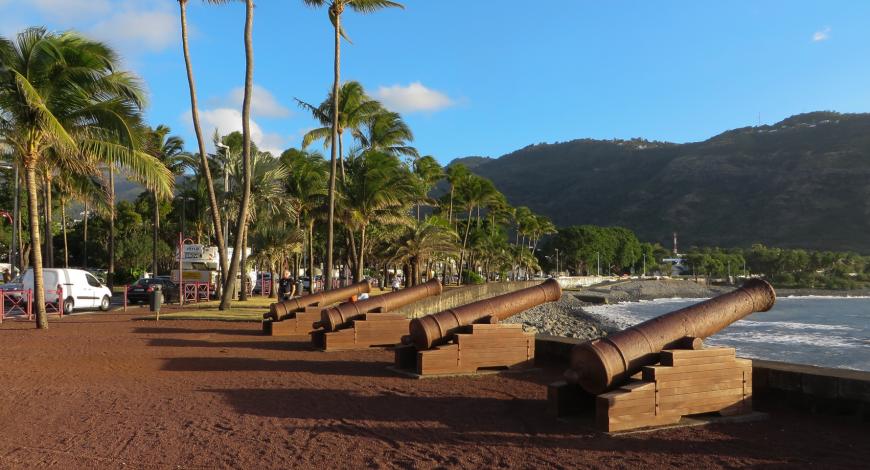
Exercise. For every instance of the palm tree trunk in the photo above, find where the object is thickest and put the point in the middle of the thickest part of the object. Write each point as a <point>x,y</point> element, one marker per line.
<point>203,156</point>
<point>360,265</point>
<point>311,256</point>
<point>155,226</point>
<point>38,302</point>
<point>242,220</point>
<point>63,227</point>
<point>450,210</point>
<point>330,235</point>
<point>243,296</point>
<point>341,154</point>
<point>110,276</point>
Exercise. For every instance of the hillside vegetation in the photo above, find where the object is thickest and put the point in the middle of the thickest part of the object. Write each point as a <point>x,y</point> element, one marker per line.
<point>803,182</point>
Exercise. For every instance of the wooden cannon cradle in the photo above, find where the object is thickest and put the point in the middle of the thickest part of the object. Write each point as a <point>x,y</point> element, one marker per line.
<point>300,324</point>
<point>476,347</point>
<point>371,330</point>
<point>685,382</point>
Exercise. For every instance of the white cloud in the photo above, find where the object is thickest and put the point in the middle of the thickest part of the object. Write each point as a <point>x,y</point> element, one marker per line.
<point>138,29</point>
<point>412,98</point>
<point>263,102</point>
<point>66,9</point>
<point>822,35</point>
<point>227,120</point>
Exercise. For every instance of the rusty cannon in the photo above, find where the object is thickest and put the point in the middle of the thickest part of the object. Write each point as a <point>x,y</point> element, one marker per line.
<point>279,310</point>
<point>340,316</point>
<point>476,338</point>
<point>606,363</point>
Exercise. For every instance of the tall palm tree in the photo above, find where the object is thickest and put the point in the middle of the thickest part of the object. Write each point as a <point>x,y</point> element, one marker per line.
<point>455,173</point>
<point>336,8</point>
<point>170,151</point>
<point>242,219</point>
<point>204,169</point>
<point>62,94</point>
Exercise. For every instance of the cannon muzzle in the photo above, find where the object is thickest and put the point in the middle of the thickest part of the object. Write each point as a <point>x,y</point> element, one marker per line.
<point>341,315</point>
<point>438,328</point>
<point>605,363</point>
<point>279,310</point>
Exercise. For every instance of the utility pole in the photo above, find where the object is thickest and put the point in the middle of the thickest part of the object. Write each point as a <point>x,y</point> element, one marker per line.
<point>557,263</point>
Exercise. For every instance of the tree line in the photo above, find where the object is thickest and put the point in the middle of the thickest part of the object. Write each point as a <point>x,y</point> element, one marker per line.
<point>71,123</point>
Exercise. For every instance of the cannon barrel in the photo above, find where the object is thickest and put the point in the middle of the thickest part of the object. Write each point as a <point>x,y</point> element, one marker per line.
<point>280,309</point>
<point>438,328</point>
<point>604,363</point>
<point>341,315</point>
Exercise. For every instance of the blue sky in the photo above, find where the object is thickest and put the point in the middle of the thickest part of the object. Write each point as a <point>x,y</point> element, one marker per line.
<point>480,77</point>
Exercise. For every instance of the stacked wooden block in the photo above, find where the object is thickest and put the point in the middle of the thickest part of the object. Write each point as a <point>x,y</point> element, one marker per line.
<point>478,346</point>
<point>686,382</point>
<point>300,324</point>
<point>374,329</point>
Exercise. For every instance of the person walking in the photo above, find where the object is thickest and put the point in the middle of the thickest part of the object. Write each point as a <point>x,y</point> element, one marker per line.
<point>397,284</point>
<point>286,286</point>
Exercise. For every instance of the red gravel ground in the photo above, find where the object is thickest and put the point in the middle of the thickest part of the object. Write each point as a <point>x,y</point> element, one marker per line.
<point>104,391</point>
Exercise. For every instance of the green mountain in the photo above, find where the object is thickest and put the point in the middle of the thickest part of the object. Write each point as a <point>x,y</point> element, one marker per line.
<point>803,182</point>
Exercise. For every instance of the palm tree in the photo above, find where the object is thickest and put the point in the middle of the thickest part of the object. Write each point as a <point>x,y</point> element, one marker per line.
<point>336,8</point>
<point>427,172</point>
<point>306,185</point>
<point>377,190</point>
<point>203,156</point>
<point>385,131</point>
<point>242,217</point>
<point>455,173</point>
<point>61,94</point>
<point>423,241</point>
<point>275,243</point>
<point>170,151</point>
<point>474,192</point>
<point>354,109</point>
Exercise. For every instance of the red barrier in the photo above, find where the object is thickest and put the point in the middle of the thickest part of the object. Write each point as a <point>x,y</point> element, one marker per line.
<point>58,304</point>
<point>19,301</point>
<point>195,291</point>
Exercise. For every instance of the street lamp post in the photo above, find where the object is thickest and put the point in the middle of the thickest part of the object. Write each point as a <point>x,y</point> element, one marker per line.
<point>557,263</point>
<point>598,262</point>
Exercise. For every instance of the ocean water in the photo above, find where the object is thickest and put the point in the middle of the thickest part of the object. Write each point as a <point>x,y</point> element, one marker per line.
<point>821,331</point>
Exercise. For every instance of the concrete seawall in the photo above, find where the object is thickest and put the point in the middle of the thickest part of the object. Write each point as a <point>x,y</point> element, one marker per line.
<point>774,384</point>
<point>451,298</point>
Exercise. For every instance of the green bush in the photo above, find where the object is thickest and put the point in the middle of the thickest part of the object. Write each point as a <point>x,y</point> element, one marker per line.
<point>470,277</point>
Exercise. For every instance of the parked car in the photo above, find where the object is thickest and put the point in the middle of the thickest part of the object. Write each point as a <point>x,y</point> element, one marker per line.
<point>81,290</point>
<point>140,291</point>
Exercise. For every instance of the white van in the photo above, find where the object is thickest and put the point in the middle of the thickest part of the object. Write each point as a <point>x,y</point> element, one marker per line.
<point>81,290</point>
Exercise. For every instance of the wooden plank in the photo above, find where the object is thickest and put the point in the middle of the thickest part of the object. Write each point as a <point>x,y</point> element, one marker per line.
<point>700,397</point>
<point>476,327</point>
<point>660,372</point>
<point>698,377</point>
<point>630,407</point>
<point>619,397</point>
<point>638,385</point>
<point>717,385</point>
<point>686,361</point>
<point>692,353</point>
<point>625,423</point>
<point>693,409</point>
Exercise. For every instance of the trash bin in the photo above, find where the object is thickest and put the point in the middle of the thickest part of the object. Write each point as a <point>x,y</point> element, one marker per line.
<point>156,298</point>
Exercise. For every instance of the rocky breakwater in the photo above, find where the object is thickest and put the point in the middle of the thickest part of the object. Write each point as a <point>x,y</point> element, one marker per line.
<point>562,318</point>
